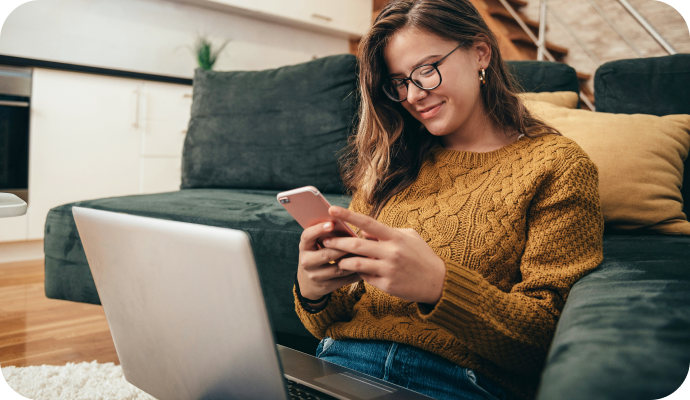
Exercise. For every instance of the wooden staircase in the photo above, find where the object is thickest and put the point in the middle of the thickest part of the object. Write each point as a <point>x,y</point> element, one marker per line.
<point>514,42</point>
<point>511,29</point>
<point>517,35</point>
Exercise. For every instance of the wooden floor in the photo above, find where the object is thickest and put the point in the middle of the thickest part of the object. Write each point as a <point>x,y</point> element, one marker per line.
<point>35,330</point>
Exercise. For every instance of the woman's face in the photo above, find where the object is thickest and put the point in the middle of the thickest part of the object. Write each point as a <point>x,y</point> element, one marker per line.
<point>448,108</point>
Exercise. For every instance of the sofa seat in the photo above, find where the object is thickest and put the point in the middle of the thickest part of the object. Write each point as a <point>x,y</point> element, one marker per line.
<point>625,329</point>
<point>273,232</point>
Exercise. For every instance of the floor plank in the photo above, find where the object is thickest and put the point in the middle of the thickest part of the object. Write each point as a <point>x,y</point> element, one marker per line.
<point>35,330</point>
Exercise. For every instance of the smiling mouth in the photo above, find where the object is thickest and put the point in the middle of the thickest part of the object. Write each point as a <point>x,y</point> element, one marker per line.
<point>431,111</point>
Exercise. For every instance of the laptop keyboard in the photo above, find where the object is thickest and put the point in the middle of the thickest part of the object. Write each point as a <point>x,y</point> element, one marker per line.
<point>299,391</point>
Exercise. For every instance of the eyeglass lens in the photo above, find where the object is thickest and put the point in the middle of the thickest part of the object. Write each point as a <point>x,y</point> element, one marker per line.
<point>425,77</point>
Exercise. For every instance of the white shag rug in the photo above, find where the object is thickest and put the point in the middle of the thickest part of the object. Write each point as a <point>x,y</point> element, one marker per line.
<point>83,381</point>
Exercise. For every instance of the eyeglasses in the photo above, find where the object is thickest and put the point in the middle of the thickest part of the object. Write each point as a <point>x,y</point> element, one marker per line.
<point>425,77</point>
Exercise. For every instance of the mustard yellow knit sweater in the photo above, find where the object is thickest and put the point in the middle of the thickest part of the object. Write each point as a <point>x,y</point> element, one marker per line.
<point>517,227</point>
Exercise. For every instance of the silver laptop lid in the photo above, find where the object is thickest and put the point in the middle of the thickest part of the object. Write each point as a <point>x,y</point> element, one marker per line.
<point>172,343</point>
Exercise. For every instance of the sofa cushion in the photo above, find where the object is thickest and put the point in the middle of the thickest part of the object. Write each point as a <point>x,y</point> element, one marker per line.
<point>544,76</point>
<point>624,332</point>
<point>640,162</point>
<point>652,85</point>
<point>276,129</point>
<point>561,99</point>
<point>273,232</point>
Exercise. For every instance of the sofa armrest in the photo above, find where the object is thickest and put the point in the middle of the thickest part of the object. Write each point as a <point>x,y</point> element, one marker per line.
<point>624,330</point>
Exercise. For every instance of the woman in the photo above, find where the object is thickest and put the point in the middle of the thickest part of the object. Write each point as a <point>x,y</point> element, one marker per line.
<point>476,218</point>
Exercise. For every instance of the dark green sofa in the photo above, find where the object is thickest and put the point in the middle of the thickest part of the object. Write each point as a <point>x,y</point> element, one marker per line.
<point>625,330</point>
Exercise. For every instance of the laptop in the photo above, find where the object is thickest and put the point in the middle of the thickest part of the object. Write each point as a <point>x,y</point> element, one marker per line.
<point>188,317</point>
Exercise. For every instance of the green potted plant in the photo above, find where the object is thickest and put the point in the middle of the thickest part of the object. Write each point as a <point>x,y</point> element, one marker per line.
<point>206,54</point>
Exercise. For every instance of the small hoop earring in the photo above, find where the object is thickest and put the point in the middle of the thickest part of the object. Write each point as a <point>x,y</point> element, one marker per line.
<point>482,77</point>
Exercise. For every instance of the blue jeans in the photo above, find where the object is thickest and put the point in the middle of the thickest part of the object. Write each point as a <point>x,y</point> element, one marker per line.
<point>412,368</point>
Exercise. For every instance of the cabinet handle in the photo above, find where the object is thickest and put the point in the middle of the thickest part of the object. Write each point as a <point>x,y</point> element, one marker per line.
<point>184,131</point>
<point>187,95</point>
<point>136,117</point>
<point>323,17</point>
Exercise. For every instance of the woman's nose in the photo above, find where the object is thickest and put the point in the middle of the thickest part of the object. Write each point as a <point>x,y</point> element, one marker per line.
<point>414,94</point>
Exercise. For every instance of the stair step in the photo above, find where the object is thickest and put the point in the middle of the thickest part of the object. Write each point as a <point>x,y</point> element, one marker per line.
<point>512,25</point>
<point>500,11</point>
<point>552,48</point>
<point>517,3</point>
<point>583,77</point>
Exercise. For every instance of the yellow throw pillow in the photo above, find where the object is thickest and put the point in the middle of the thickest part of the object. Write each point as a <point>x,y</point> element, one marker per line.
<point>563,99</point>
<point>640,161</point>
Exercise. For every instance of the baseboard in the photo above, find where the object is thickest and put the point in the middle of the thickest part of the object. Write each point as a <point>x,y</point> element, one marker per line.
<point>25,250</point>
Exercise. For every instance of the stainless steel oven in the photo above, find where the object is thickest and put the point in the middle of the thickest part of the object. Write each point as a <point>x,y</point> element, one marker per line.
<point>15,100</point>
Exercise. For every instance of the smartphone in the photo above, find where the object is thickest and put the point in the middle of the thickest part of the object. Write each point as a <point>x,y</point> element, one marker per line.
<point>308,207</point>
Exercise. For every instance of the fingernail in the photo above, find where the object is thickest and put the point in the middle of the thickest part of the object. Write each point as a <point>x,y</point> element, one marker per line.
<point>326,241</point>
<point>334,210</point>
<point>327,225</point>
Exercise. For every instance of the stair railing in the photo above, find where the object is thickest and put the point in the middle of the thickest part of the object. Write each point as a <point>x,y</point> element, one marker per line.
<point>633,11</point>
<point>541,45</point>
<point>606,18</point>
<point>591,55</point>
<point>540,41</point>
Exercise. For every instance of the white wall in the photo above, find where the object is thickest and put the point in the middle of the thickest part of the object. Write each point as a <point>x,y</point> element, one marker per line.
<point>150,36</point>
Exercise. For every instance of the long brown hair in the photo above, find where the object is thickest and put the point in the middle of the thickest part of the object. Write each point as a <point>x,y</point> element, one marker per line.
<point>386,154</point>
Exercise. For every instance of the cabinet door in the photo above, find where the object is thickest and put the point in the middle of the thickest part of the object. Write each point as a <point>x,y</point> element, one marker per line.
<point>346,16</point>
<point>167,109</point>
<point>85,140</point>
<point>13,228</point>
<point>161,174</point>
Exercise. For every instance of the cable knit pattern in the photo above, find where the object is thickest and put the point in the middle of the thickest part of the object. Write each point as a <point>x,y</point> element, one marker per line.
<point>517,227</point>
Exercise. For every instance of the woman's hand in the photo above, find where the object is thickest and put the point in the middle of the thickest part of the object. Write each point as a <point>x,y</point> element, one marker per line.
<point>398,261</point>
<point>315,275</point>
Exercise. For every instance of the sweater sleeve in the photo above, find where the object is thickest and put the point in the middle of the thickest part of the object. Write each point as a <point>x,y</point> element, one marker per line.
<point>341,303</point>
<point>564,243</point>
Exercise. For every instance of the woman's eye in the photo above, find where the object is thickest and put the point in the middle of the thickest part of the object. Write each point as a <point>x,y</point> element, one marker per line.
<point>427,71</point>
<point>397,84</point>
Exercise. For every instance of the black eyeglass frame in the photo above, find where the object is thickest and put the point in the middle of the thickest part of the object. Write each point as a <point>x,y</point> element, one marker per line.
<point>434,64</point>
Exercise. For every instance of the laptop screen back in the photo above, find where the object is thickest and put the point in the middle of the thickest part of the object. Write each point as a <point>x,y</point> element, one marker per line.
<point>166,288</point>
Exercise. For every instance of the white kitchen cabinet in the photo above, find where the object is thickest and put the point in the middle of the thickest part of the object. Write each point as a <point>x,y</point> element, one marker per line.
<point>85,140</point>
<point>94,136</point>
<point>161,174</point>
<point>347,15</point>
<point>350,18</point>
<point>14,228</point>
<point>167,110</point>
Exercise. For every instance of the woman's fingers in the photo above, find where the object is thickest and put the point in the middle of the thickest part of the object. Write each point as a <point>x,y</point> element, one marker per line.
<point>364,222</point>
<point>319,258</point>
<point>361,247</point>
<point>363,265</point>
<point>408,231</point>
<point>368,236</point>
<point>328,272</point>
<point>325,280</point>
<point>337,283</point>
<point>373,280</point>
<point>308,240</point>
